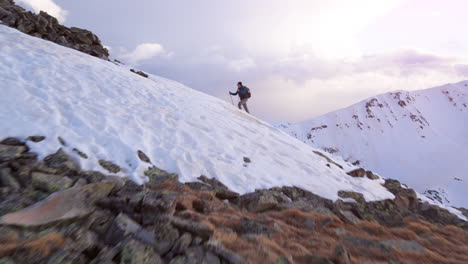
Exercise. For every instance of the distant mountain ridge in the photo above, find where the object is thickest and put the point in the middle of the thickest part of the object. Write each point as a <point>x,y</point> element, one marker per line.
<point>418,137</point>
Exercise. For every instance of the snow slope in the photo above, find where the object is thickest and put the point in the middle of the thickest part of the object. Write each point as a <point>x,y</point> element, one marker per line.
<point>109,113</point>
<point>419,138</point>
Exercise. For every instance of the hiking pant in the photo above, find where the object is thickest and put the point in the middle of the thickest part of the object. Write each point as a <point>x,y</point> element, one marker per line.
<point>243,103</point>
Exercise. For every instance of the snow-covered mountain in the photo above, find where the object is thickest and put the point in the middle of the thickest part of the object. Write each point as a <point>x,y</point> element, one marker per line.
<point>419,138</point>
<point>103,110</point>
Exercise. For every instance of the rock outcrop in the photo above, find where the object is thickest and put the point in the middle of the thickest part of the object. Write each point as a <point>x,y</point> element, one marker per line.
<point>94,218</point>
<point>47,27</point>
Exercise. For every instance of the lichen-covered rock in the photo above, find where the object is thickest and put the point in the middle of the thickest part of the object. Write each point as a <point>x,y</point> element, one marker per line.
<point>135,252</point>
<point>60,162</point>
<point>357,173</point>
<point>220,190</point>
<point>371,175</point>
<point>36,139</point>
<point>195,228</point>
<point>158,176</point>
<point>341,255</point>
<point>140,73</point>
<point>50,182</point>
<point>143,157</point>
<point>226,254</point>
<point>262,200</point>
<point>10,152</point>
<point>8,180</point>
<point>358,197</point>
<point>109,166</point>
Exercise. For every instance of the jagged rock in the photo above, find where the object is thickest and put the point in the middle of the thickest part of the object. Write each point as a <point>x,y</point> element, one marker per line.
<point>404,198</point>
<point>62,141</point>
<point>45,26</point>
<point>60,206</point>
<point>140,73</point>
<point>165,237</point>
<point>36,139</point>
<point>366,244</point>
<point>10,152</point>
<point>247,160</point>
<point>154,203</point>
<point>181,245</point>
<point>134,252</point>
<point>85,240</point>
<point>357,173</point>
<point>80,153</point>
<point>199,186</point>
<point>60,162</point>
<point>217,248</point>
<point>109,166</point>
<point>404,245</point>
<point>50,182</point>
<point>100,221</point>
<point>249,226</point>
<point>306,201</point>
<point>211,258</point>
<point>12,141</point>
<point>371,175</point>
<point>220,190</point>
<point>341,255</point>
<point>122,227</point>
<point>158,176</point>
<point>143,157</point>
<point>93,176</point>
<point>358,197</point>
<point>195,228</point>
<point>347,216</point>
<point>179,260</point>
<point>107,255</point>
<point>195,255</point>
<point>435,214</point>
<point>262,200</point>
<point>309,224</point>
<point>7,179</point>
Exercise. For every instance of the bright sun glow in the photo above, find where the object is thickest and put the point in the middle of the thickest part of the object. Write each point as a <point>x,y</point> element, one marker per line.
<point>328,29</point>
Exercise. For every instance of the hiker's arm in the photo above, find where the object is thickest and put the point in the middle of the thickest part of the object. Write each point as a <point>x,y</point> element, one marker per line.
<point>233,93</point>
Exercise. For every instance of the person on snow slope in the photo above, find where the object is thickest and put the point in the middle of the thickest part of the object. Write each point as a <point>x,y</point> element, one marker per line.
<point>244,95</point>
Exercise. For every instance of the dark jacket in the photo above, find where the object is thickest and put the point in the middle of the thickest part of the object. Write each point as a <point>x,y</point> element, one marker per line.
<point>243,92</point>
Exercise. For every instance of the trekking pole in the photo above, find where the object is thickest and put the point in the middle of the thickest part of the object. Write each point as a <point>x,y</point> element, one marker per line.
<point>232,102</point>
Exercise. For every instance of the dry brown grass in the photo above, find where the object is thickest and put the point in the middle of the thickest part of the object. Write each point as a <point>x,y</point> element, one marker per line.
<point>44,245</point>
<point>293,238</point>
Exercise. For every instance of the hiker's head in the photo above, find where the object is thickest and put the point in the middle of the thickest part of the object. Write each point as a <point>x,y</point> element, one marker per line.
<point>239,84</point>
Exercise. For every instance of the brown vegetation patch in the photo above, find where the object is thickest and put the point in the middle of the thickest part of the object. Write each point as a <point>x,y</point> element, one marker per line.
<point>295,235</point>
<point>44,246</point>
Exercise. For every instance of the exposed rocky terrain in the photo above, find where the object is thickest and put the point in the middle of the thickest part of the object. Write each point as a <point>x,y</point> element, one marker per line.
<point>417,137</point>
<point>53,212</point>
<point>47,27</point>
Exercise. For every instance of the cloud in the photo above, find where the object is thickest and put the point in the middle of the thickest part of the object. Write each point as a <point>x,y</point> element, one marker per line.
<point>144,52</point>
<point>241,65</point>
<point>48,6</point>
<point>303,84</point>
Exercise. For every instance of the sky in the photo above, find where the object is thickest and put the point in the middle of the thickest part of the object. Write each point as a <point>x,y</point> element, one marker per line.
<point>300,58</point>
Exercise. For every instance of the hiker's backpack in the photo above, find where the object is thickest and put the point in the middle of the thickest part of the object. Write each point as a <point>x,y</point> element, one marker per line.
<point>247,92</point>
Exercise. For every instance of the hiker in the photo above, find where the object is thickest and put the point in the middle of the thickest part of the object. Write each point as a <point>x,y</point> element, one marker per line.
<point>244,95</point>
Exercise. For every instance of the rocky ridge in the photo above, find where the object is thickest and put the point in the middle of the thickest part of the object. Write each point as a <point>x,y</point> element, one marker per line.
<point>47,27</point>
<point>52,212</point>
